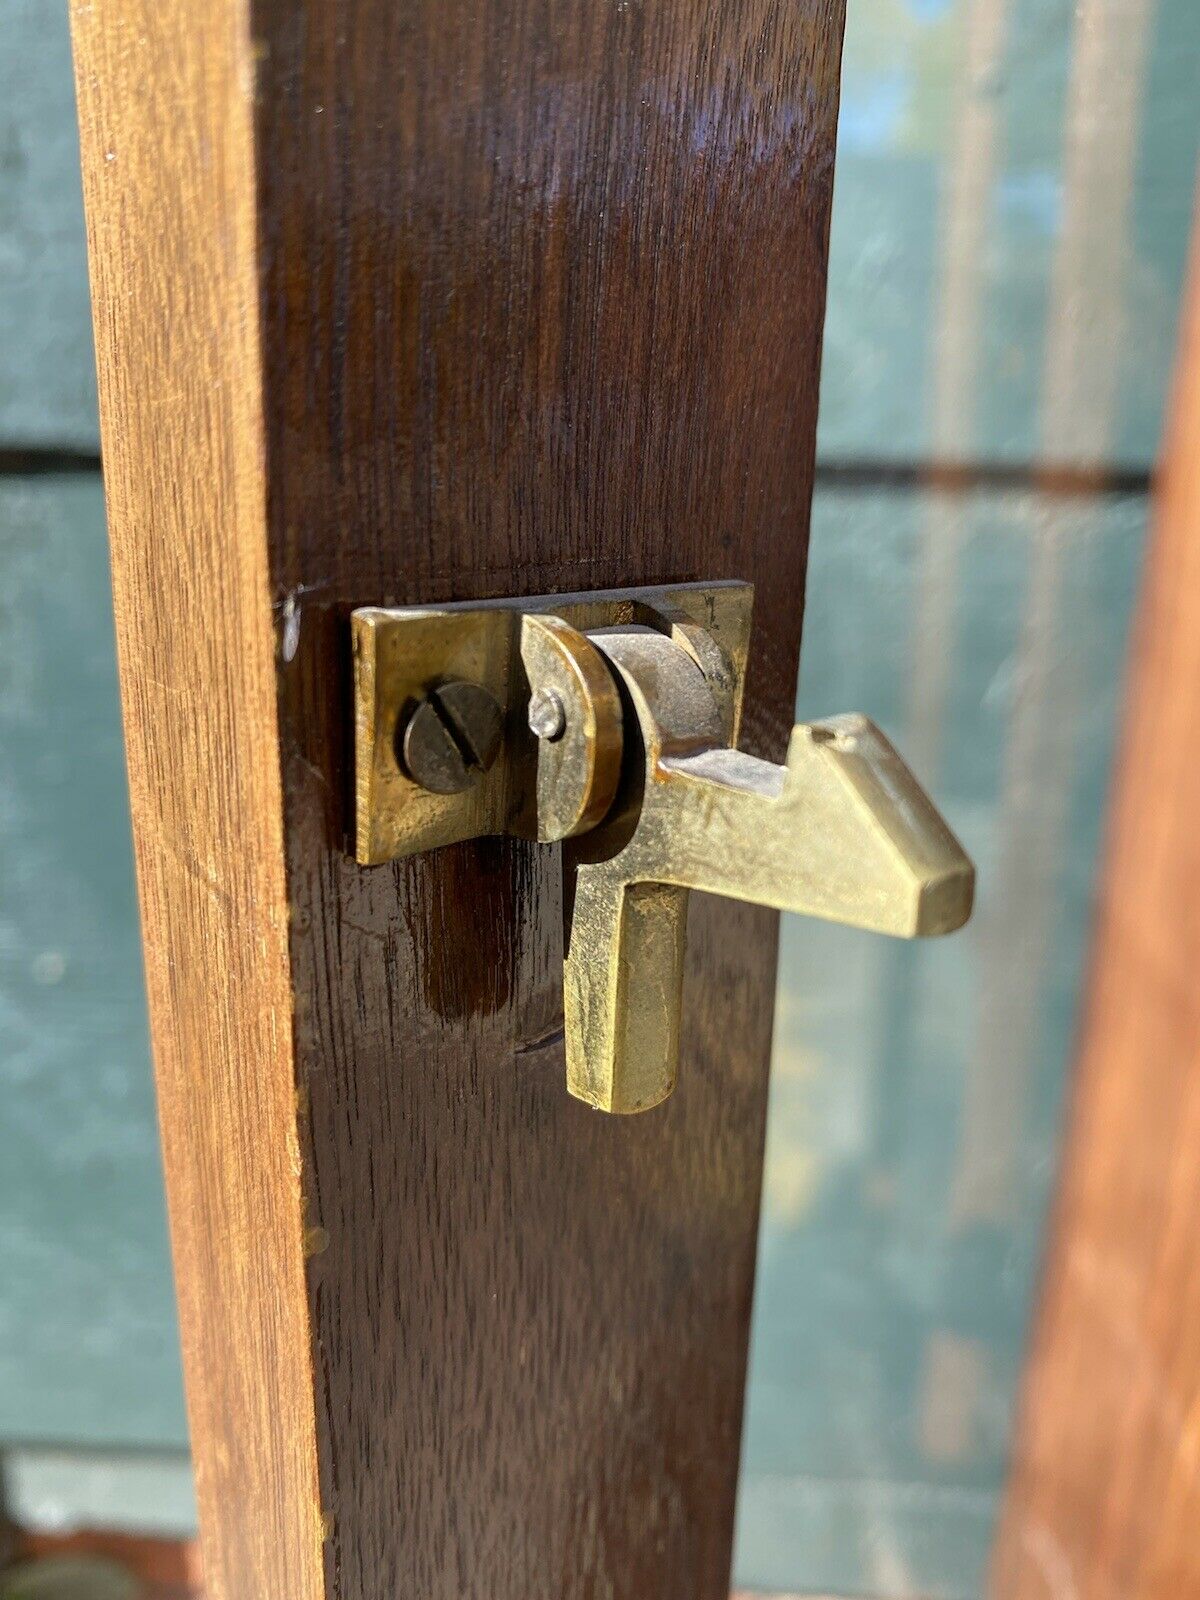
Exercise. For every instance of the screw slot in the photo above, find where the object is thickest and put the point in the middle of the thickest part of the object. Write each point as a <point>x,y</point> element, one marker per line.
<point>451,738</point>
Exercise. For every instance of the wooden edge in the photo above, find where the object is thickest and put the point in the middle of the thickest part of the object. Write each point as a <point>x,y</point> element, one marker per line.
<point>165,94</point>
<point>1103,1495</point>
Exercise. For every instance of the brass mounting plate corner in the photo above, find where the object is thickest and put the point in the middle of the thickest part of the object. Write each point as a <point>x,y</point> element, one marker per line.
<point>402,654</point>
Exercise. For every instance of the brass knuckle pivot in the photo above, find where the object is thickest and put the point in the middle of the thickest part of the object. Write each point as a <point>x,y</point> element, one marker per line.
<point>619,717</point>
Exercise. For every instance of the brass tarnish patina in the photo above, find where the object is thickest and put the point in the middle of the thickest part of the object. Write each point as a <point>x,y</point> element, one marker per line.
<point>619,714</point>
<point>579,766</point>
<point>536,789</point>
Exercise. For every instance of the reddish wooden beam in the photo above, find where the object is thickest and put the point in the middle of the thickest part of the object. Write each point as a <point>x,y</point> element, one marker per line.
<point>1104,1496</point>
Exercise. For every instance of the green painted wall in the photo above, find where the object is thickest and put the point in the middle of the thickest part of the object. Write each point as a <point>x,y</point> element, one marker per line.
<point>914,1120</point>
<point>87,1327</point>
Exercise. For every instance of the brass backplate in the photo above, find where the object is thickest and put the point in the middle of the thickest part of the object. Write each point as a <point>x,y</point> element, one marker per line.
<point>401,654</point>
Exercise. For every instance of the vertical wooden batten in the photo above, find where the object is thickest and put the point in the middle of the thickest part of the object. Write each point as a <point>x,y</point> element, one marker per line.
<point>166,117</point>
<point>417,302</point>
<point>1104,1493</point>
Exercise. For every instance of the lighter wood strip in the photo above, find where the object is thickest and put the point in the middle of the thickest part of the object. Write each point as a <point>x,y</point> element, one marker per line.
<point>165,98</point>
<point>1104,1497</point>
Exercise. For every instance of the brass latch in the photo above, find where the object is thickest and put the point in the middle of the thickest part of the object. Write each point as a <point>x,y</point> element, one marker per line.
<point>610,721</point>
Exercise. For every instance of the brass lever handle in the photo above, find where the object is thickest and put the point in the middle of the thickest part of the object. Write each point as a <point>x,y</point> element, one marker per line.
<point>843,831</point>
<point>608,722</point>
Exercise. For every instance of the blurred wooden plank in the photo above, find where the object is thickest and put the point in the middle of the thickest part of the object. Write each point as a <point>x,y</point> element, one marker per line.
<point>166,1569</point>
<point>1104,1496</point>
<point>426,302</point>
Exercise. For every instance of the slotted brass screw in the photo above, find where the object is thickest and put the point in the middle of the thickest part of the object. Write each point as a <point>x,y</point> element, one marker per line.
<point>452,737</point>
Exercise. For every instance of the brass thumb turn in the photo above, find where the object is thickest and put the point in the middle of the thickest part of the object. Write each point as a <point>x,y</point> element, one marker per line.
<point>609,721</point>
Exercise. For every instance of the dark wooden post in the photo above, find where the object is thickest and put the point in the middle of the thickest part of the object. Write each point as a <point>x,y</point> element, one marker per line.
<point>431,300</point>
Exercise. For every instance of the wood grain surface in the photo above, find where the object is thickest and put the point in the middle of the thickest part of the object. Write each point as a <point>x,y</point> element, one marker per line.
<point>419,302</point>
<point>165,105</point>
<point>1104,1496</point>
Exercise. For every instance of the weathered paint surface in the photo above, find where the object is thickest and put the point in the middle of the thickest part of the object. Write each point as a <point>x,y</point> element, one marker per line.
<point>87,1324</point>
<point>47,376</point>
